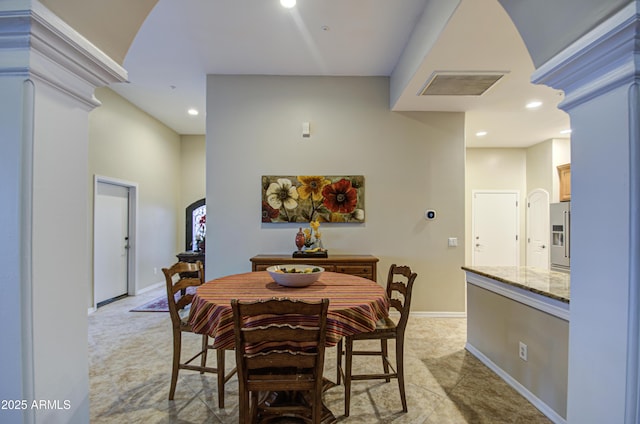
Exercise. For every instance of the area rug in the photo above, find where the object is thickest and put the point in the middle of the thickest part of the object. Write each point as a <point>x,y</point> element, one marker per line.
<point>158,304</point>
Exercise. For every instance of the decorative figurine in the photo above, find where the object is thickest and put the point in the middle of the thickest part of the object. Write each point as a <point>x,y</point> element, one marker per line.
<point>300,239</point>
<point>310,240</point>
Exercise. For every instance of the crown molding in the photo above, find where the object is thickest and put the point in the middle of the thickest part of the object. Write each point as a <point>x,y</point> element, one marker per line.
<point>37,44</point>
<point>600,61</point>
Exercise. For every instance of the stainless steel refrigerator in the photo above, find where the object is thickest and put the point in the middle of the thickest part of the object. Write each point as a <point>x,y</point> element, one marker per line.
<point>560,220</point>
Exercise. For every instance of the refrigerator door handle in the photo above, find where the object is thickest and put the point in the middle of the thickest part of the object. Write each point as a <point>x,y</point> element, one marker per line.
<point>567,223</point>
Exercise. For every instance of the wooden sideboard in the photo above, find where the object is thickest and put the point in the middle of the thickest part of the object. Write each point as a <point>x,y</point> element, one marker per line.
<point>360,265</point>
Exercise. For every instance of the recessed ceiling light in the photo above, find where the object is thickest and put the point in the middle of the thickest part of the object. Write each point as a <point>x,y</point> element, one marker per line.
<point>481,133</point>
<point>288,3</point>
<point>193,112</point>
<point>534,104</point>
<point>566,131</point>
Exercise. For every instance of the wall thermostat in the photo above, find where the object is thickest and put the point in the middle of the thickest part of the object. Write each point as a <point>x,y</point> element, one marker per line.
<point>430,214</point>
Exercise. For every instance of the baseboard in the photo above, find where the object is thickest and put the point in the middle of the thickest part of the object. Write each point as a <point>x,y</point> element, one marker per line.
<point>149,288</point>
<point>92,309</point>
<point>441,314</point>
<point>535,401</point>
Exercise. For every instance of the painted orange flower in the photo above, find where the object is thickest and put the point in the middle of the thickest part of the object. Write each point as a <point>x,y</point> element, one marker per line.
<point>340,196</point>
<point>312,185</point>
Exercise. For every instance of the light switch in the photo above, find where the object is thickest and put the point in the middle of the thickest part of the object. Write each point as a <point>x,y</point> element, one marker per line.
<point>306,129</point>
<point>453,242</point>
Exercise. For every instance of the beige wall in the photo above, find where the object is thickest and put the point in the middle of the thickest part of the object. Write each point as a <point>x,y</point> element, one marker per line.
<point>127,144</point>
<point>561,154</point>
<point>540,167</point>
<point>495,169</point>
<point>115,125</point>
<point>411,162</point>
<point>542,161</point>
<point>192,178</point>
<point>524,170</point>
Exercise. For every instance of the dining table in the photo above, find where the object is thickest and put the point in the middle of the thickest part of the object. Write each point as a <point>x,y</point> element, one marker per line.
<point>355,305</point>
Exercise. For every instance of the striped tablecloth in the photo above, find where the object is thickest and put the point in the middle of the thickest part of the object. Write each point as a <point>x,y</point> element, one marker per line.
<point>355,303</point>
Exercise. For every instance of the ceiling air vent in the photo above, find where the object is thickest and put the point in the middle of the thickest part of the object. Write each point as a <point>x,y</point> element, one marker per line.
<point>460,83</point>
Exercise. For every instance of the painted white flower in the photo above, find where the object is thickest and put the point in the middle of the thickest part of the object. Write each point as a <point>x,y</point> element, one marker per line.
<point>282,193</point>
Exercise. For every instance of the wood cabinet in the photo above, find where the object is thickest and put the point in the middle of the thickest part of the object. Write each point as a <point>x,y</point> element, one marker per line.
<point>360,265</point>
<point>564,174</point>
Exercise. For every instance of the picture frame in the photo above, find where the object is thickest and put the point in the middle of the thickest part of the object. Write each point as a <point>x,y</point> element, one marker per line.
<point>306,198</point>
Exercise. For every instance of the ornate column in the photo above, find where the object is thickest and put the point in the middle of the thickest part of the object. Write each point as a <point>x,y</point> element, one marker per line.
<point>599,75</point>
<point>48,73</point>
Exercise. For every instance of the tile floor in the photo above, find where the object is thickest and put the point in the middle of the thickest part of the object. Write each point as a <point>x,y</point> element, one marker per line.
<point>130,357</point>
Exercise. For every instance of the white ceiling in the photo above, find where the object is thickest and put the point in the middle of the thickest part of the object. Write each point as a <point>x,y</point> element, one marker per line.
<point>181,42</point>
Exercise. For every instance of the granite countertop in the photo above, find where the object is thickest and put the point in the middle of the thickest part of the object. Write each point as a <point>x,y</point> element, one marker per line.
<point>553,284</point>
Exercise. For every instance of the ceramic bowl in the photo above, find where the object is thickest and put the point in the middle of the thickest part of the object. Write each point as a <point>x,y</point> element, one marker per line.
<point>294,279</point>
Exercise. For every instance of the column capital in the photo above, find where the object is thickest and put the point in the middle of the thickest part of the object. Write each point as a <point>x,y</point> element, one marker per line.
<point>37,44</point>
<point>602,60</point>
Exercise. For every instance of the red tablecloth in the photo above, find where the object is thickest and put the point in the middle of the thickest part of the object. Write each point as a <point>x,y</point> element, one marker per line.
<point>355,303</point>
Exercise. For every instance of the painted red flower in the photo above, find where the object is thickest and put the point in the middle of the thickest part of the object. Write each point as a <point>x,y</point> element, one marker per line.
<point>268,213</point>
<point>340,196</point>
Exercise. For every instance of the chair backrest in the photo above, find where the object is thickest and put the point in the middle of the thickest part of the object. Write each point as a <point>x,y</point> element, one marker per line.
<point>399,287</point>
<point>178,278</point>
<point>282,335</point>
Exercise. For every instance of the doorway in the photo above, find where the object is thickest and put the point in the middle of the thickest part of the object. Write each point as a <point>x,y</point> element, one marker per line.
<point>494,228</point>
<point>538,229</point>
<point>114,240</point>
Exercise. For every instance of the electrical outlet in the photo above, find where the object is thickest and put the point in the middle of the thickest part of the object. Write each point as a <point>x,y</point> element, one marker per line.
<point>522,351</point>
<point>155,271</point>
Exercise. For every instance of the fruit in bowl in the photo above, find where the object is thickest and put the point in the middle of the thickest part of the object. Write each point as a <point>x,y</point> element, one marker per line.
<point>295,275</point>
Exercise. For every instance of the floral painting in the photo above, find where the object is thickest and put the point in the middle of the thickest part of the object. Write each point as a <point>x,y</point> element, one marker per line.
<point>307,198</point>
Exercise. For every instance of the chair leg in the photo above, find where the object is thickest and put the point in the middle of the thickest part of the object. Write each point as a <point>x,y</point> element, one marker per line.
<point>400,371</point>
<point>221,376</point>
<point>177,343</point>
<point>385,357</point>
<point>348,357</point>
<point>252,410</point>
<point>339,361</point>
<point>203,357</point>
<point>243,407</point>
<point>316,408</point>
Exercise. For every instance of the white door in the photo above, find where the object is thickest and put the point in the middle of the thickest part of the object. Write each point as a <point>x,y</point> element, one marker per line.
<point>495,228</point>
<point>538,229</point>
<point>111,241</point>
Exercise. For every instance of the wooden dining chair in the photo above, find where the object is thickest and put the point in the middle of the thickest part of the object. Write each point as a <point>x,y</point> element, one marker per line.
<point>275,355</point>
<point>399,285</point>
<point>179,277</point>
